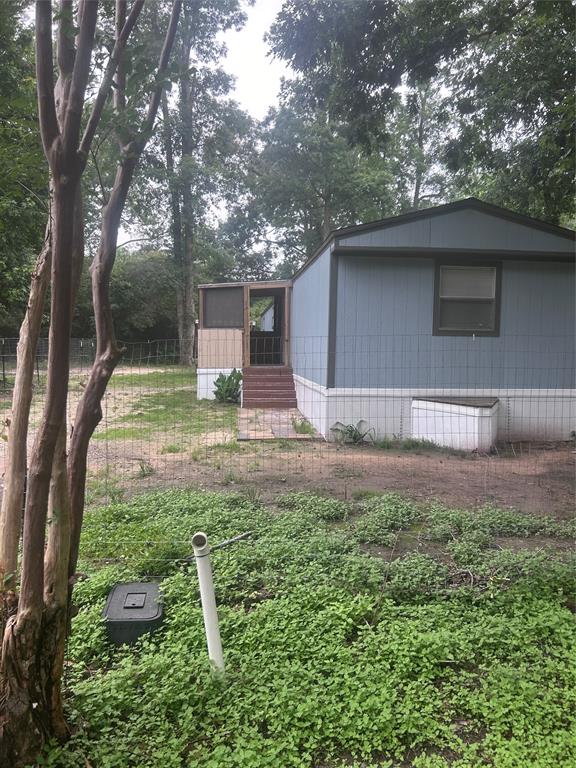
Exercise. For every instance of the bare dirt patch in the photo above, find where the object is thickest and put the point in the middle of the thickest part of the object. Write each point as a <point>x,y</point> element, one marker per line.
<point>538,482</point>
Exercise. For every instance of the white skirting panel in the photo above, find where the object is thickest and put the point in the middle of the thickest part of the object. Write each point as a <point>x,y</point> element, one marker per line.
<point>205,381</point>
<point>535,414</point>
<point>465,427</point>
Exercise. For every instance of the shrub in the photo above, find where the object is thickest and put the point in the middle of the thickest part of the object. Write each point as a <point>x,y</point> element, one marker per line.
<point>353,433</point>
<point>227,388</point>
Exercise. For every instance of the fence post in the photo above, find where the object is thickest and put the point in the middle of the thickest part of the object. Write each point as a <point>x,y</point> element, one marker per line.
<point>3,365</point>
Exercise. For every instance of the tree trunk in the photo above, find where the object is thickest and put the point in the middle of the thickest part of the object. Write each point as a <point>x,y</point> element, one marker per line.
<point>108,354</point>
<point>16,454</point>
<point>174,186</point>
<point>26,720</point>
<point>420,164</point>
<point>187,273</point>
<point>33,641</point>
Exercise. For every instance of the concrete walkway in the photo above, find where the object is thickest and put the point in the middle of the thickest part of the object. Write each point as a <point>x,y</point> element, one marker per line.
<point>274,423</point>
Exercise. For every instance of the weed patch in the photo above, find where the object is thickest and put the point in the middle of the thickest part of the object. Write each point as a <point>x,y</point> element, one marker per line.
<point>334,657</point>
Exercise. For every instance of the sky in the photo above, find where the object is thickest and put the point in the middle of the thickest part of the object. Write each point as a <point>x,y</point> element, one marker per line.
<point>257,74</point>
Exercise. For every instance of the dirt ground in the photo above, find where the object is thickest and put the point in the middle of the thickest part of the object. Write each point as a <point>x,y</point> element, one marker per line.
<point>536,479</point>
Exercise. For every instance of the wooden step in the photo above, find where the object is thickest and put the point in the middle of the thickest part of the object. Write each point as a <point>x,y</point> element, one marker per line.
<point>266,370</point>
<point>268,386</point>
<point>269,403</point>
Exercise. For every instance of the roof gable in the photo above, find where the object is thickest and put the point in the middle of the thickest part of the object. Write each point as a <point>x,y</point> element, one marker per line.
<point>467,225</point>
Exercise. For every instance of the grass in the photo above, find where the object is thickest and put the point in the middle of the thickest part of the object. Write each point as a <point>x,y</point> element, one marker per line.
<point>156,379</point>
<point>334,657</point>
<point>172,448</point>
<point>416,445</point>
<point>171,409</point>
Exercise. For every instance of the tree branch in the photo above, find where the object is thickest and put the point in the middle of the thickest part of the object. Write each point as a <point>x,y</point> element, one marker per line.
<point>44,78</point>
<point>66,50</point>
<point>80,75</point>
<point>106,83</point>
<point>162,67</point>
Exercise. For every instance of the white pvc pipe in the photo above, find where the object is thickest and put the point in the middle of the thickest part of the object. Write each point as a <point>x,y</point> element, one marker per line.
<point>208,599</point>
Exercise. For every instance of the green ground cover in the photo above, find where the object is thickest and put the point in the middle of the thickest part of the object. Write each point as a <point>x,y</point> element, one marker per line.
<point>170,405</point>
<point>460,655</point>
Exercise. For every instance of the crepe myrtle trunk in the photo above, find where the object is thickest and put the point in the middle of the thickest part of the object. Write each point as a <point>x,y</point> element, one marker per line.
<point>89,411</point>
<point>16,453</point>
<point>26,716</point>
<point>33,640</point>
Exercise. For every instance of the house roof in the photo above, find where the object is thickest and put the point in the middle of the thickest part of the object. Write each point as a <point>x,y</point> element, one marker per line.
<point>467,204</point>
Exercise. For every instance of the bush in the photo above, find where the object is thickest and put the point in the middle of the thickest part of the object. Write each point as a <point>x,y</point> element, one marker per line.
<point>354,434</point>
<point>227,388</point>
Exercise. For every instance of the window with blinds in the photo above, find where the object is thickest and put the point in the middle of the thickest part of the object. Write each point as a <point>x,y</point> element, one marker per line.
<point>467,300</point>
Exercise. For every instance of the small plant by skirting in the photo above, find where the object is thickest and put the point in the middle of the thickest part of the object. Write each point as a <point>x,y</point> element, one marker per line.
<point>302,427</point>
<point>227,387</point>
<point>356,434</point>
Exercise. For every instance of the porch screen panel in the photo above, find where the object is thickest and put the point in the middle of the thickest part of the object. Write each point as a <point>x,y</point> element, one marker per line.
<point>224,308</point>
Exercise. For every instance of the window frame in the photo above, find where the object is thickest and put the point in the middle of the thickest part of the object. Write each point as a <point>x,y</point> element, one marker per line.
<point>204,314</point>
<point>497,265</point>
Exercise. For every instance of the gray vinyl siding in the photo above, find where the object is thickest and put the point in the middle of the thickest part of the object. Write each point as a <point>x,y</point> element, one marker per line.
<point>309,320</point>
<point>466,229</point>
<point>384,329</point>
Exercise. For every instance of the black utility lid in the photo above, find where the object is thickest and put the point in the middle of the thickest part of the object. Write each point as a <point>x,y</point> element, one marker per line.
<point>132,610</point>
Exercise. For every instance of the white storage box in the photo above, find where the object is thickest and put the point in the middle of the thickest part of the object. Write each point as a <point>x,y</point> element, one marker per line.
<point>464,423</point>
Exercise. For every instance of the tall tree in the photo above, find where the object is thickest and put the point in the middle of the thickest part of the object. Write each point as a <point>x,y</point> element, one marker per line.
<point>509,65</point>
<point>204,137</point>
<point>310,178</point>
<point>33,642</point>
<point>514,113</point>
<point>108,353</point>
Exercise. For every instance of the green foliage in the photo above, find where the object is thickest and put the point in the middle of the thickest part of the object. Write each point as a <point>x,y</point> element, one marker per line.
<point>382,517</point>
<point>24,181</point>
<point>354,434</point>
<point>172,448</point>
<point>334,657</point>
<point>415,575</point>
<point>415,444</point>
<point>503,69</point>
<point>142,295</point>
<point>445,524</point>
<point>323,507</point>
<point>303,427</point>
<point>228,387</point>
<point>310,179</point>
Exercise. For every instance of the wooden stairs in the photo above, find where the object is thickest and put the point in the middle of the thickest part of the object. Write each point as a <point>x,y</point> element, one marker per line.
<point>268,386</point>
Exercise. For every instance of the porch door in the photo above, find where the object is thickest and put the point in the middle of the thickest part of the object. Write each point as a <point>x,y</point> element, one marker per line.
<point>267,327</point>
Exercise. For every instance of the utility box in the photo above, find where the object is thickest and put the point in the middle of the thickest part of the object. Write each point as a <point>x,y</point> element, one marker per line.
<point>131,611</point>
<point>465,423</point>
